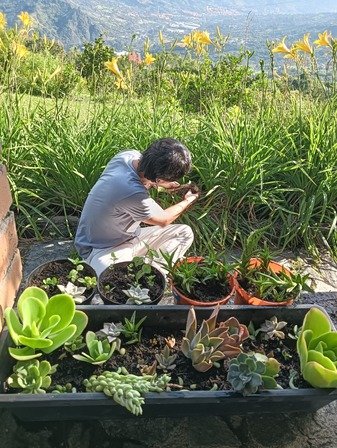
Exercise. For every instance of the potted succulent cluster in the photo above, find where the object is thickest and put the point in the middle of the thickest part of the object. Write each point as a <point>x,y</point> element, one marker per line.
<point>199,281</point>
<point>71,276</point>
<point>259,280</point>
<point>101,357</point>
<point>132,283</point>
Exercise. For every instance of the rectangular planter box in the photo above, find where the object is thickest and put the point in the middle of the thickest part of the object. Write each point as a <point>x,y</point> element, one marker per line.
<point>81,406</point>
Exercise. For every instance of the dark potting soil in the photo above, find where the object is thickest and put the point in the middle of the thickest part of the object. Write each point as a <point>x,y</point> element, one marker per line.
<point>210,291</point>
<point>153,341</point>
<point>60,270</point>
<point>117,278</point>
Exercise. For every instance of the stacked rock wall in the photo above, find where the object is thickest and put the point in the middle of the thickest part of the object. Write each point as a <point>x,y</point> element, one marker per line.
<point>10,260</point>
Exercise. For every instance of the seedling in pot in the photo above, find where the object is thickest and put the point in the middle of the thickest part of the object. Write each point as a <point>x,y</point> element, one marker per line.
<point>137,295</point>
<point>138,269</point>
<point>49,283</point>
<point>73,275</point>
<point>132,330</point>
<point>88,282</point>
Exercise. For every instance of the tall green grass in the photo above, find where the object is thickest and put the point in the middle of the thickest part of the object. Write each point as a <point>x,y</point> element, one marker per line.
<point>274,163</point>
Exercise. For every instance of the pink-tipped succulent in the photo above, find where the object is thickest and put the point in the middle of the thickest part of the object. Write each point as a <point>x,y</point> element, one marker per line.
<point>209,344</point>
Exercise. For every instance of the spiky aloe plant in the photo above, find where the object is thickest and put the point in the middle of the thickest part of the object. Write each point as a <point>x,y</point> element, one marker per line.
<point>209,344</point>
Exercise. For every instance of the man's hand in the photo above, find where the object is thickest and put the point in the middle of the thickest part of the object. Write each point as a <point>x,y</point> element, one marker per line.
<point>191,197</point>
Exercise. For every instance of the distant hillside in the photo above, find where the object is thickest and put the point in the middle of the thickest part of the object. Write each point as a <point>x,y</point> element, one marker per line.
<point>249,22</point>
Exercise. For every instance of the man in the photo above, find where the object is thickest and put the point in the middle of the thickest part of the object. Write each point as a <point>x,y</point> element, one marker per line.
<point>120,201</point>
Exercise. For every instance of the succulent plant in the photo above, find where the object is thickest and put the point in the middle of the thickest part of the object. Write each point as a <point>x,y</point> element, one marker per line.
<point>74,345</point>
<point>148,370</point>
<point>209,344</point>
<point>126,389</point>
<point>76,292</point>
<point>42,323</point>
<point>166,360</point>
<point>32,376</point>
<point>132,330</point>
<point>137,295</point>
<point>248,373</point>
<point>272,328</point>
<point>110,330</point>
<point>317,349</point>
<point>66,389</point>
<point>99,351</point>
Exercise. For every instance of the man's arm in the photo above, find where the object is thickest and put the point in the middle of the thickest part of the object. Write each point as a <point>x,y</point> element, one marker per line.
<point>172,213</point>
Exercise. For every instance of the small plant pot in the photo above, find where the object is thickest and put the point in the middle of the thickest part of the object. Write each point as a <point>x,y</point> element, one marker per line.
<point>59,268</point>
<point>117,275</point>
<point>182,299</point>
<point>242,297</point>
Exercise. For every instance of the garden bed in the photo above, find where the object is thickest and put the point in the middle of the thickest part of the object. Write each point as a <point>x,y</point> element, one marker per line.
<point>170,320</point>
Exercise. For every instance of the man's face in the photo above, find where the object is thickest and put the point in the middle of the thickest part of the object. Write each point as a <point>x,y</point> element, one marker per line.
<point>166,184</point>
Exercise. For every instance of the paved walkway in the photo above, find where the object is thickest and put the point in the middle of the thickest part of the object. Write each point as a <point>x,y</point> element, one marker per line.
<point>317,430</point>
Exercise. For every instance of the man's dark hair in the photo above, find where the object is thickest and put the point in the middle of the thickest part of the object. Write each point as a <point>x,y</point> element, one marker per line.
<point>166,159</point>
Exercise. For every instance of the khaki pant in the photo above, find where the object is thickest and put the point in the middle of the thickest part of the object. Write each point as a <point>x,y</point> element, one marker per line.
<point>175,238</point>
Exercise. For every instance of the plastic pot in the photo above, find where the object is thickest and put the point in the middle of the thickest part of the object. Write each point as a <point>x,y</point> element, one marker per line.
<point>182,299</point>
<point>89,271</point>
<point>242,297</point>
<point>160,280</point>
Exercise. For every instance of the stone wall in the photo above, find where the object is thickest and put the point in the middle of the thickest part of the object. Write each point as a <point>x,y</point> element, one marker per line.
<point>10,260</point>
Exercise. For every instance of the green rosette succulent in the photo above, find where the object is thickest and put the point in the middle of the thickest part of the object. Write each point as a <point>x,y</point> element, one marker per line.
<point>32,376</point>
<point>249,373</point>
<point>42,324</point>
<point>317,349</point>
<point>100,351</point>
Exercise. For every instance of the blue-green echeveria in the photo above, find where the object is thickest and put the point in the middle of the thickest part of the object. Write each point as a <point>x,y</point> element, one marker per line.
<point>42,324</point>
<point>317,349</point>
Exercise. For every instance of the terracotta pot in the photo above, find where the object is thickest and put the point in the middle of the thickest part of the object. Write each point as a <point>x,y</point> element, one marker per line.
<point>242,297</point>
<point>182,299</point>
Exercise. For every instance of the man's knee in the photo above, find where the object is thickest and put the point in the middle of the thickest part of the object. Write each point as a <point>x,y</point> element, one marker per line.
<point>186,232</point>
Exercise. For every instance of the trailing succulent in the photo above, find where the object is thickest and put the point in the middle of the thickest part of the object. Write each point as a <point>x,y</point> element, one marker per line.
<point>209,345</point>
<point>100,351</point>
<point>126,389</point>
<point>32,376</point>
<point>248,373</point>
<point>317,349</point>
<point>42,324</point>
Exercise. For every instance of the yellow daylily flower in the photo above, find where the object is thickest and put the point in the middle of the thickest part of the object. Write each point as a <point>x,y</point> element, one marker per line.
<point>25,18</point>
<point>323,39</point>
<point>149,59</point>
<point>3,21</point>
<point>187,40</point>
<point>281,47</point>
<point>113,67</point>
<point>292,54</point>
<point>202,37</point>
<point>19,50</point>
<point>304,45</point>
<point>120,84</point>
